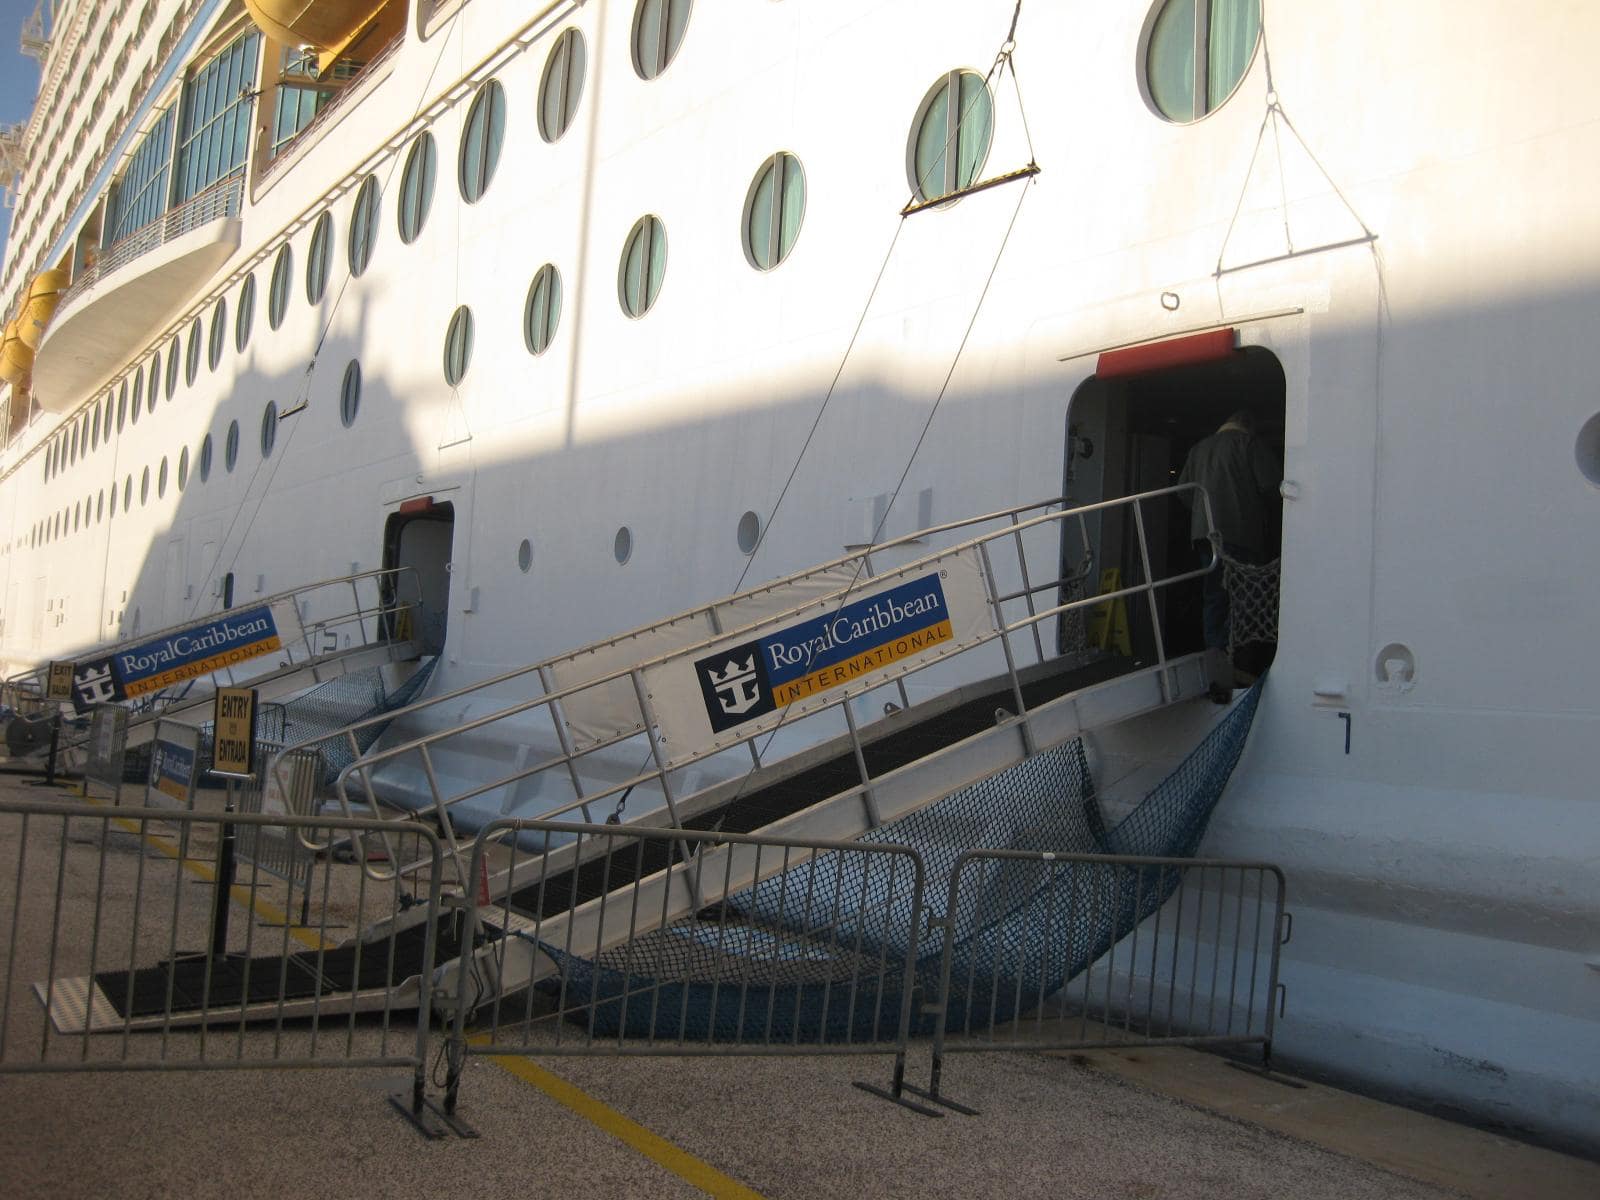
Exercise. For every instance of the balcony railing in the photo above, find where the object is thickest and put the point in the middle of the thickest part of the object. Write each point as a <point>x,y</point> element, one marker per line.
<point>217,202</point>
<point>334,105</point>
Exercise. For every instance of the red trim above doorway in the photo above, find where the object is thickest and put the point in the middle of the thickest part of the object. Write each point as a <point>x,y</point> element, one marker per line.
<point>1206,347</point>
<point>418,504</point>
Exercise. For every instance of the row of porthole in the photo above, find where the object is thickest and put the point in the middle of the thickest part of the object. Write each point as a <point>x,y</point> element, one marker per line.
<point>349,406</point>
<point>747,535</point>
<point>950,141</point>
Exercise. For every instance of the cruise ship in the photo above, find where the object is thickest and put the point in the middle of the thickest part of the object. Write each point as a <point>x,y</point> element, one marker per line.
<point>592,312</point>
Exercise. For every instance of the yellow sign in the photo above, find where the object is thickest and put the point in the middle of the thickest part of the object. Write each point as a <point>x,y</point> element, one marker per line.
<point>60,685</point>
<point>235,744</point>
<point>1108,622</point>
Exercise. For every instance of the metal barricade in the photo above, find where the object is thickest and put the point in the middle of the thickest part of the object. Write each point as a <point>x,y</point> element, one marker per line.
<point>1050,951</point>
<point>116,960</point>
<point>277,849</point>
<point>640,941</point>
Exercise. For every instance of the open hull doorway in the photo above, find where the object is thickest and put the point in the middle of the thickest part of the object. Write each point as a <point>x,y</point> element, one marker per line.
<point>1134,434</point>
<point>418,542</point>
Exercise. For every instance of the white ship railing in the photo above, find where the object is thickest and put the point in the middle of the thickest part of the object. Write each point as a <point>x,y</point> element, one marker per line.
<point>1020,608</point>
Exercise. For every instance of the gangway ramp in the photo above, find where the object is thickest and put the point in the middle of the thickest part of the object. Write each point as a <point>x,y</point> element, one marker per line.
<point>761,712</point>
<point>281,645</point>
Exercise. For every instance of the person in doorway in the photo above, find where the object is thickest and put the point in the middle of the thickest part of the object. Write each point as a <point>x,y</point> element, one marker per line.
<point>1240,474</point>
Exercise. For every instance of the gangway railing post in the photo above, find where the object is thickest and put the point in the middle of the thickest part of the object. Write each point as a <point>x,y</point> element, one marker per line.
<point>558,718</point>
<point>871,573</point>
<point>1150,600</point>
<point>1005,645</point>
<point>446,826</point>
<point>1027,587</point>
<point>868,799</point>
<point>648,713</point>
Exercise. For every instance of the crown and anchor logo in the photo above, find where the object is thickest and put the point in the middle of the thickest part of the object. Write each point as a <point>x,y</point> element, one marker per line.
<point>734,684</point>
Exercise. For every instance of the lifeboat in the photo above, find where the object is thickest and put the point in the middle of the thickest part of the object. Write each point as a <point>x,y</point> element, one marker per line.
<point>16,356</point>
<point>337,28</point>
<point>44,295</point>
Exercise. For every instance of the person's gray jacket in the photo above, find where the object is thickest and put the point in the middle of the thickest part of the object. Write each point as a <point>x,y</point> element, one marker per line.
<point>1241,475</point>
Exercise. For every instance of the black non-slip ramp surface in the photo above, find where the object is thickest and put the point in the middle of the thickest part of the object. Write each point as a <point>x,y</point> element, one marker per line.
<point>270,979</point>
<point>750,813</point>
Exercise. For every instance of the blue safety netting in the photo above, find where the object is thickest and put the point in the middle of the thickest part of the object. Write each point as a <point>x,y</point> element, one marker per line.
<point>819,952</point>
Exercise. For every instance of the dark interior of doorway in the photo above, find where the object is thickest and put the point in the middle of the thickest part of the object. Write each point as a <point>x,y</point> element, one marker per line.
<point>420,539</point>
<point>1133,435</point>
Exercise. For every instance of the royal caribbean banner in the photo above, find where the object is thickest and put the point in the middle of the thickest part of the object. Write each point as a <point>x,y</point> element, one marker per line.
<point>173,761</point>
<point>838,647</point>
<point>222,641</point>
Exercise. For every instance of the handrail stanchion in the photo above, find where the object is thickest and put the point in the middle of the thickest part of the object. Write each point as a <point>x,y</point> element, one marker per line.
<point>647,714</point>
<point>1005,645</point>
<point>1150,600</point>
<point>1027,587</point>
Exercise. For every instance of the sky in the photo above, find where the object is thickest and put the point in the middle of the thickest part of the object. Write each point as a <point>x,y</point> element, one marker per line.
<point>19,80</point>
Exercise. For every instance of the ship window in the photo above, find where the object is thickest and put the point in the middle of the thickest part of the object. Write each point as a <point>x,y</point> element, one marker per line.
<point>140,195</point>
<point>318,258</point>
<point>562,85</point>
<point>480,141</point>
<point>278,293</point>
<point>183,469</point>
<point>269,428</point>
<point>1196,52</point>
<point>138,397</point>
<point>77,516</point>
<point>364,225</point>
<point>72,451</point>
<point>749,533</point>
<point>100,506</point>
<point>173,366</point>
<point>230,448</point>
<point>525,556</point>
<point>127,494</point>
<point>215,119</point>
<point>658,27</point>
<point>144,487</point>
<point>161,479</point>
<point>219,332</point>
<point>644,264</point>
<point>951,136</point>
<point>205,458</point>
<point>94,430</point>
<point>774,210</point>
<point>458,346</point>
<point>154,390</point>
<point>297,102</point>
<point>622,545</point>
<point>246,315</point>
<point>416,188</point>
<point>122,405</point>
<point>350,394</point>
<point>543,311</point>
<point>191,366</point>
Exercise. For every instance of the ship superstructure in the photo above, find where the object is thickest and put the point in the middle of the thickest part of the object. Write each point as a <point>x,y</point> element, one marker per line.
<point>592,311</point>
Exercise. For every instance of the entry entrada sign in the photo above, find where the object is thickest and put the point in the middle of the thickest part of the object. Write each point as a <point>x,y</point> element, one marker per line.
<point>235,744</point>
<point>841,645</point>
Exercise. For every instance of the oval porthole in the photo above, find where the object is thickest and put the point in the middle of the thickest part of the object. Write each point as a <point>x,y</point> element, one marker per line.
<point>951,135</point>
<point>245,317</point>
<point>458,346</point>
<point>278,291</point>
<point>191,362</point>
<point>205,458</point>
<point>643,266</point>
<point>773,211</point>
<point>481,139</point>
<point>542,312</point>
<point>749,533</point>
<point>658,29</point>
<point>161,479</point>
<point>219,333</point>
<point>269,428</point>
<point>1588,450</point>
<point>319,258</point>
<point>525,556</point>
<point>562,85</point>
<point>153,392</point>
<point>416,188</point>
<point>350,394</point>
<point>364,225</point>
<point>173,367</point>
<point>1196,53</point>
<point>183,469</point>
<point>622,545</point>
<point>230,447</point>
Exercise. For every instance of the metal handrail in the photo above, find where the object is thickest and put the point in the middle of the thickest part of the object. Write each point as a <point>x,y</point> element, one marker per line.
<point>1012,525</point>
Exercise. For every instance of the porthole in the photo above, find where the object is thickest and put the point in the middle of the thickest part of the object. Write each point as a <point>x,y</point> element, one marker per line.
<point>94,429</point>
<point>644,265</point>
<point>122,405</point>
<point>161,479</point>
<point>154,390</point>
<point>144,487</point>
<point>318,258</point>
<point>245,317</point>
<point>205,458</point>
<point>138,398</point>
<point>658,27</point>
<point>562,85</point>
<point>219,333</point>
<point>749,533</point>
<point>278,292</point>
<point>113,492</point>
<point>183,469</point>
<point>72,448</point>
<point>1587,450</point>
<point>230,448</point>
<point>622,545</point>
<point>105,418</point>
<point>77,517</point>
<point>942,161</point>
<point>100,507</point>
<point>127,494</point>
<point>773,211</point>
<point>416,188</point>
<point>525,556</point>
<point>458,346</point>
<point>1196,52</point>
<point>481,137</point>
<point>173,366</point>
<point>269,428</point>
<point>191,365</point>
<point>542,313</point>
<point>363,225</point>
<point>350,394</point>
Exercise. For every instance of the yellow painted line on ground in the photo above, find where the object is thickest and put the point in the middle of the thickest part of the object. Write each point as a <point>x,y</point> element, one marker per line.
<point>656,1148</point>
<point>268,912</point>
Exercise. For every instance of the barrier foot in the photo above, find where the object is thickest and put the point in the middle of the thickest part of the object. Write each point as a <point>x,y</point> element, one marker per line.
<point>420,1118</point>
<point>943,1101</point>
<point>899,1098</point>
<point>1265,1071</point>
<point>451,1118</point>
